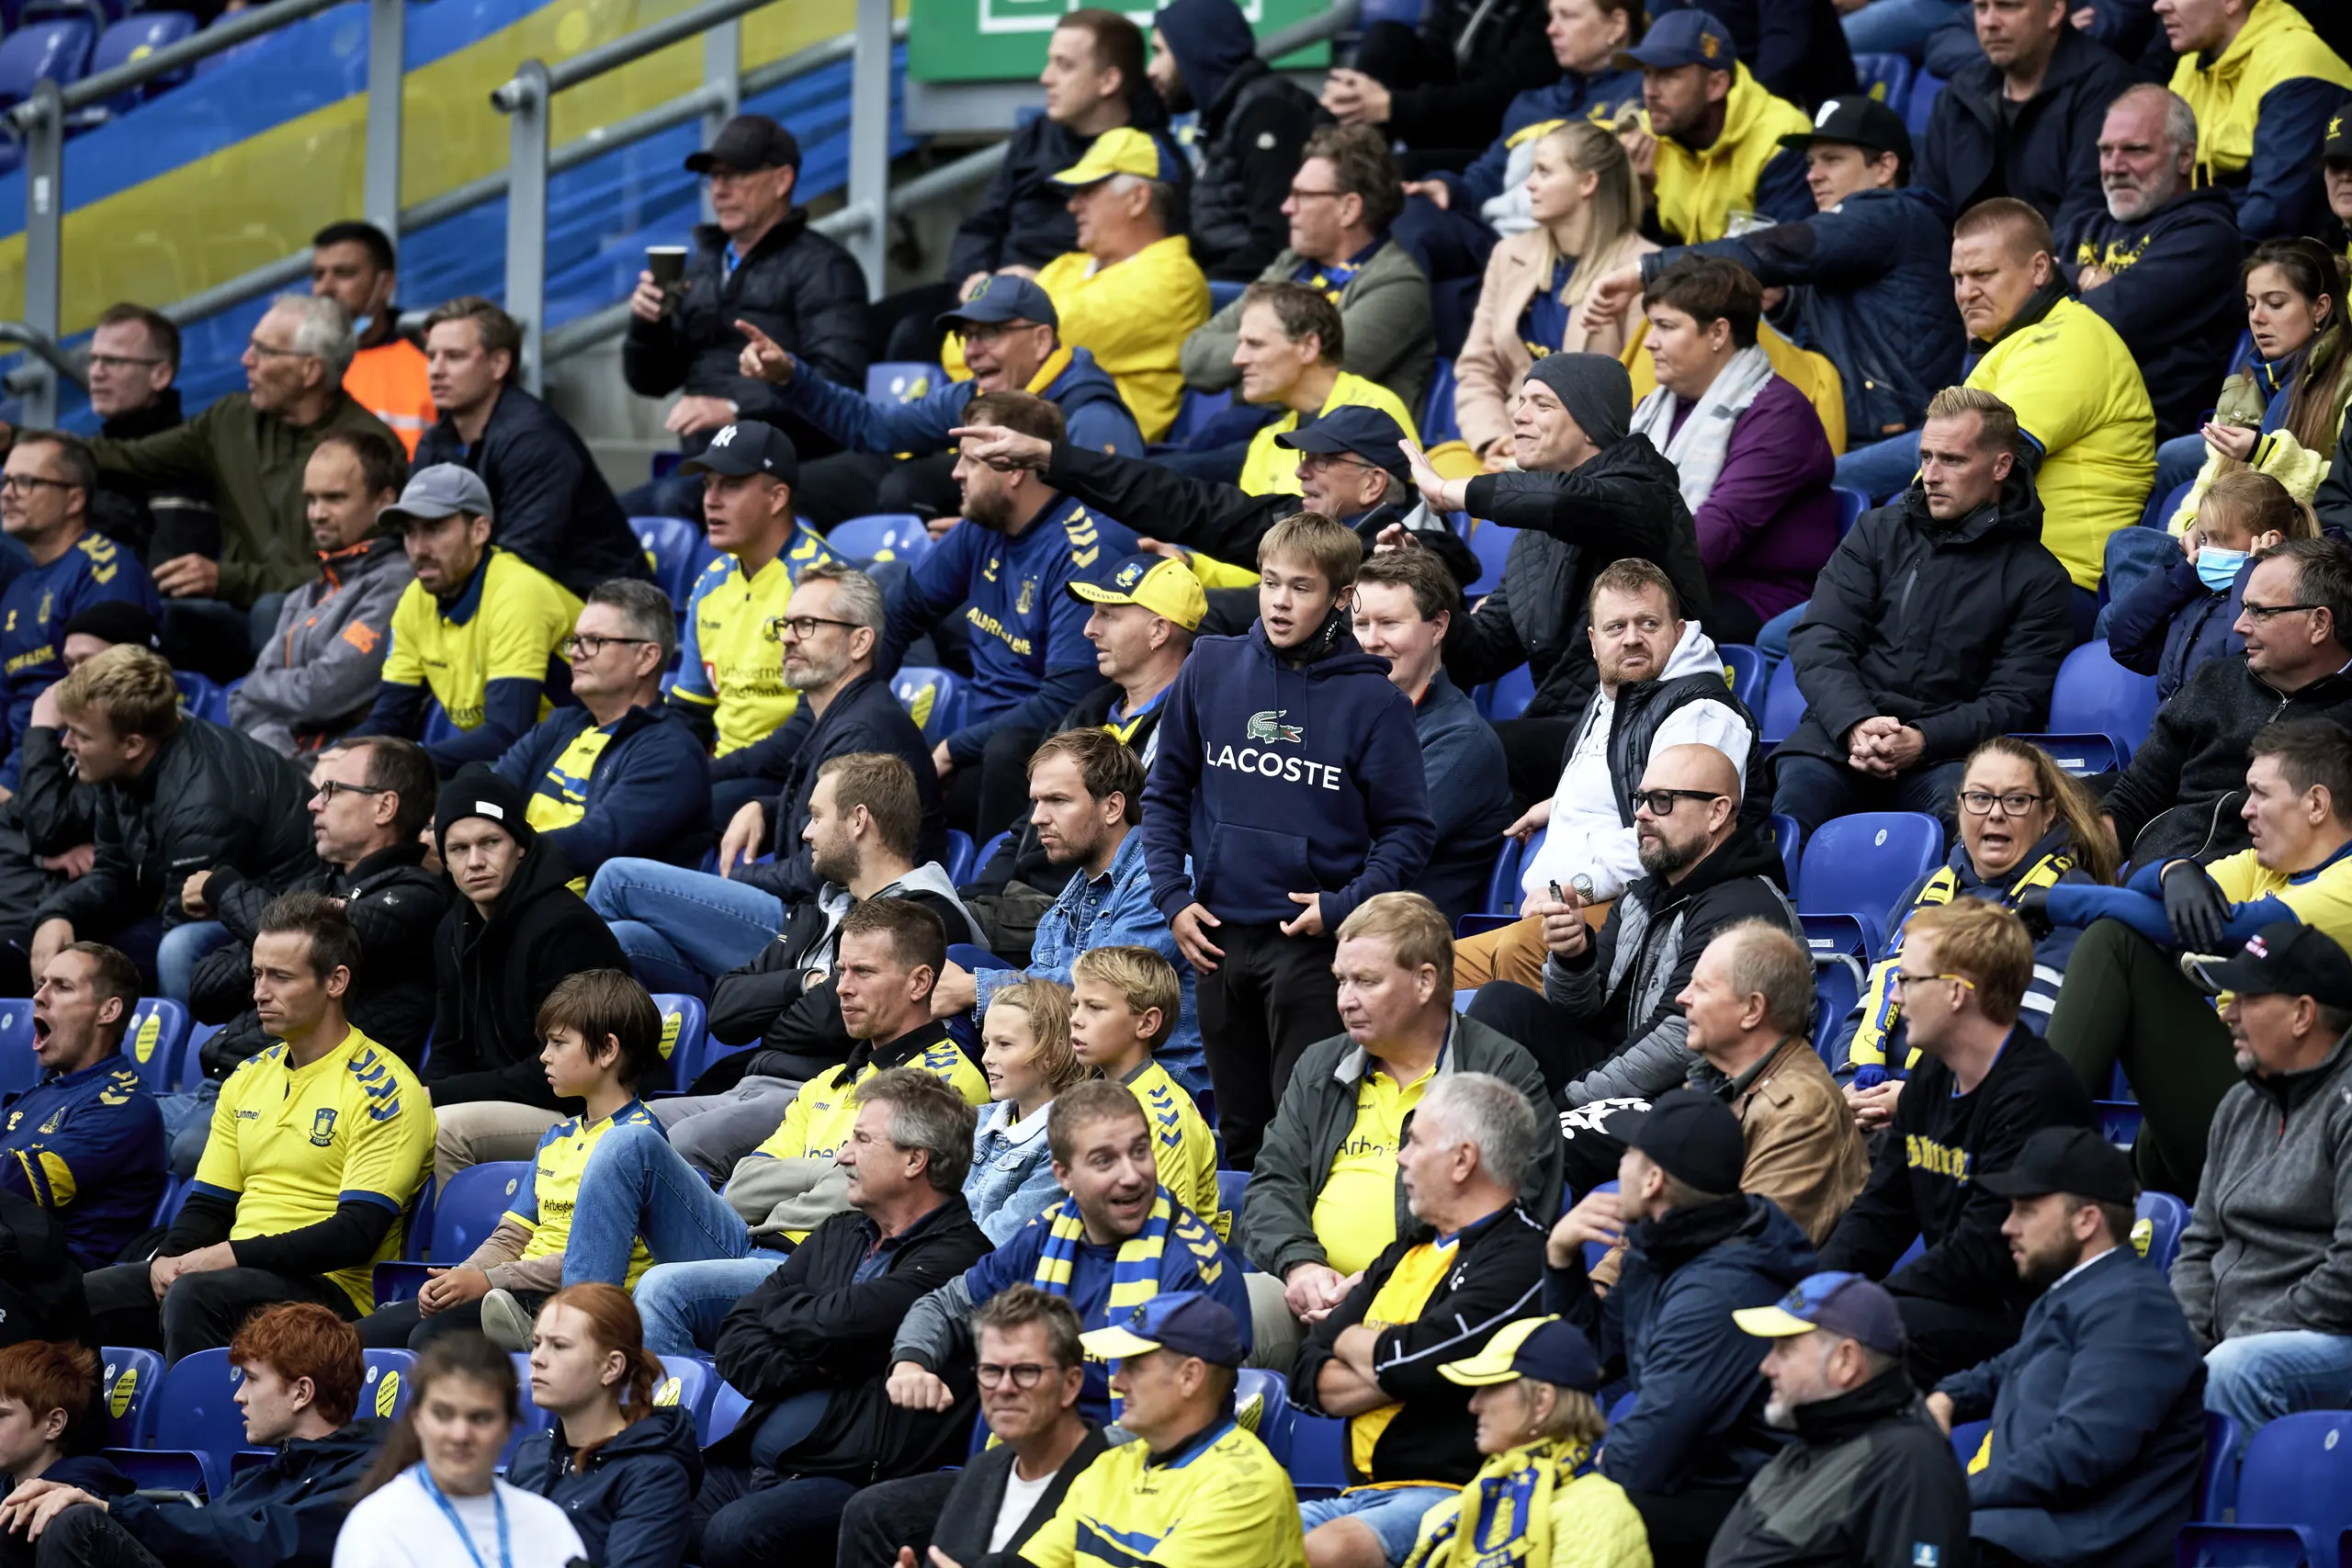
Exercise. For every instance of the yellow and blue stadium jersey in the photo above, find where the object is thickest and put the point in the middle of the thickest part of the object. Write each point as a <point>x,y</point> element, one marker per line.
<point>508,624</point>
<point>1181,1142</point>
<point>35,604</point>
<point>1218,1502</point>
<point>544,1201</point>
<point>729,663</point>
<point>559,798</point>
<point>289,1143</point>
<point>89,1147</point>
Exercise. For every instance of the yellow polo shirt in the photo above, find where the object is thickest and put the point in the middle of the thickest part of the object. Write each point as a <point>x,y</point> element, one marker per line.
<point>1274,470</point>
<point>509,625</point>
<point>1216,1504</point>
<point>1356,1214</point>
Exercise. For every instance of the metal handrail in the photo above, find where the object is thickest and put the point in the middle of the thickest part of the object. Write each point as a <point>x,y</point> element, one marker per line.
<point>225,35</point>
<point>39,344</point>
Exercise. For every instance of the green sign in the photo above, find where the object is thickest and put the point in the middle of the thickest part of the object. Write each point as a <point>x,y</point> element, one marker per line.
<point>1004,40</point>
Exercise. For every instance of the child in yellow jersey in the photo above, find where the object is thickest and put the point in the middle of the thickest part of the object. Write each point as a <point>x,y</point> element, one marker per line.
<point>604,1038</point>
<point>1124,1005</point>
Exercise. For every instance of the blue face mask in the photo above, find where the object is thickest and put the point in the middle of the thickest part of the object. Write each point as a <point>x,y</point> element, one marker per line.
<point>2218,568</point>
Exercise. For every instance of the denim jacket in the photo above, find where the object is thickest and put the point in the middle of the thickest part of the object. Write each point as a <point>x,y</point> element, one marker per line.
<point>1011,1179</point>
<point>1112,910</point>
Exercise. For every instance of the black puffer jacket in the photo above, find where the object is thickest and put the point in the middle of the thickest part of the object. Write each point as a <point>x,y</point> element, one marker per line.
<point>211,797</point>
<point>2181,792</point>
<point>796,286</point>
<point>554,508</point>
<point>1956,628</point>
<point>1023,219</point>
<point>1626,501</point>
<point>396,906</point>
<point>2048,158</point>
<point>1497,50</point>
<point>490,977</point>
<point>1252,125</point>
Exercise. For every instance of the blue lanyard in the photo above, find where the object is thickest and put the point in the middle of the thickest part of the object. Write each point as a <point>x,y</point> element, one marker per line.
<point>465,1535</point>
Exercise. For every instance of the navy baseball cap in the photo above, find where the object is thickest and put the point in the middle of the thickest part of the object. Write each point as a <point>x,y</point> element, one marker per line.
<point>747,446</point>
<point>1544,1349</point>
<point>1183,1321</point>
<point>1847,1304</point>
<point>1358,430</point>
<point>1001,297</point>
<point>1678,39</point>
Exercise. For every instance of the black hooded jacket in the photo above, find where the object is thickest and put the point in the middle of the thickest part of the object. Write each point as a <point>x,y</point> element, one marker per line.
<point>1624,501</point>
<point>490,977</point>
<point>2044,152</point>
<point>1252,125</point>
<point>1956,628</point>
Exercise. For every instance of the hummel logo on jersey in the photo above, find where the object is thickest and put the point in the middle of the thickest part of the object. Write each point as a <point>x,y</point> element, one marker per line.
<point>1263,726</point>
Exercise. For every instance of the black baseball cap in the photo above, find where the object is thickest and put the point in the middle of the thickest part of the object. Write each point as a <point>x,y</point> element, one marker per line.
<point>746,142</point>
<point>1856,120</point>
<point>1695,1138</point>
<point>747,446</point>
<point>2285,958</point>
<point>2337,148</point>
<point>999,296</point>
<point>2067,1159</point>
<point>112,621</point>
<point>1358,430</point>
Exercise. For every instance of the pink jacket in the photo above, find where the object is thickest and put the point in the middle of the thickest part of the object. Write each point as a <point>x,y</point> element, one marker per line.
<point>1494,360</point>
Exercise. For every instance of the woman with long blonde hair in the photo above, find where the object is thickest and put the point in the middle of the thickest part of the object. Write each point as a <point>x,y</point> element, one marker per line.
<point>1588,209</point>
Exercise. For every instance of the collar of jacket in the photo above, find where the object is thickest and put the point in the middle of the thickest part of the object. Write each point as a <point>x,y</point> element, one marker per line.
<point>2038,304</point>
<point>1983,85</point>
<point>398,857</point>
<point>1422,1230</point>
<point>339,567</point>
<point>161,414</point>
<point>1356,1061</point>
<point>1678,1235</point>
<point>1825,1422</point>
<point>950,1207</point>
<point>2291,1091</point>
<point>787,228</point>
<point>143,786</point>
<point>2013,513</point>
<point>904,1049</point>
<point>1745,854</point>
<point>2333,687</point>
<point>1707,1076</point>
<point>1192,1447</point>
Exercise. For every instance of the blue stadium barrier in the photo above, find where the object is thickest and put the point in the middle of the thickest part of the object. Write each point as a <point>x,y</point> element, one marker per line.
<point>1854,870</point>
<point>464,1214</point>
<point>684,1025</point>
<point>880,536</point>
<point>156,1041</point>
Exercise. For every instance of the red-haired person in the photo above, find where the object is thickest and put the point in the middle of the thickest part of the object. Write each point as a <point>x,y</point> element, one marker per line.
<point>299,1389</point>
<point>48,1419</point>
<point>622,1469</point>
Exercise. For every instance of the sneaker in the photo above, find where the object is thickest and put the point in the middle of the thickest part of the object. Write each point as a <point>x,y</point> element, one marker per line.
<point>504,1321</point>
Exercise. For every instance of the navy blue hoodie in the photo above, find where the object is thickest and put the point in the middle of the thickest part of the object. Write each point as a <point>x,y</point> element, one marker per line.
<point>630,1502</point>
<point>1278,778</point>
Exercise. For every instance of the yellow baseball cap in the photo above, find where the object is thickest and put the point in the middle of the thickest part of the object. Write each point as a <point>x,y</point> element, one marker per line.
<point>1167,588</point>
<point>1122,149</point>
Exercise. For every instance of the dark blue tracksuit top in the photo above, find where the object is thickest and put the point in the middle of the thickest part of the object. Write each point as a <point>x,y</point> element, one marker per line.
<point>1277,779</point>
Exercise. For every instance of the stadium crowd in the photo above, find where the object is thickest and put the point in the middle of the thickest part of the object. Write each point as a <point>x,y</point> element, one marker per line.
<point>1420,583</point>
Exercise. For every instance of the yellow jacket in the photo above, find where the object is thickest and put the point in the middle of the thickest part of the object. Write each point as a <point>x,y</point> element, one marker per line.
<point>2276,45</point>
<point>1274,470</point>
<point>2078,396</point>
<point>1133,315</point>
<point>1698,191</point>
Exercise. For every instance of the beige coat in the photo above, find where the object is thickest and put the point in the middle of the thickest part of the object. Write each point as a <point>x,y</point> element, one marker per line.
<point>1494,360</point>
<point>1804,1151</point>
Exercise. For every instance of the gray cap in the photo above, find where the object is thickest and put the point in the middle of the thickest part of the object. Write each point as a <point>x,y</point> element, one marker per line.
<point>442,490</point>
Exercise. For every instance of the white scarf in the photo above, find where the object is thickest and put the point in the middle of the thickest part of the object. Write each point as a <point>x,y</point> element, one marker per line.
<point>1697,453</point>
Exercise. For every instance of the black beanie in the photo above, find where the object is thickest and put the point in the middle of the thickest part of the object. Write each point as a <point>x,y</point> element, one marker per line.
<point>1595,389</point>
<point>1695,1138</point>
<point>478,792</point>
<point>114,621</point>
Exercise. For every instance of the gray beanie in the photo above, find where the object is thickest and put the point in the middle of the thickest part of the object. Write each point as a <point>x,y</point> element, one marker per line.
<point>1594,389</point>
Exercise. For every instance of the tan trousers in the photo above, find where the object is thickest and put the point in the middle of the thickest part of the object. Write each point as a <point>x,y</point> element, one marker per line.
<point>1513,953</point>
<point>483,1131</point>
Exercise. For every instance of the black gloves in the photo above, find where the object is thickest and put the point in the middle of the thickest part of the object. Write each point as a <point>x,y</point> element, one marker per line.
<point>2195,908</point>
<point>2033,909</point>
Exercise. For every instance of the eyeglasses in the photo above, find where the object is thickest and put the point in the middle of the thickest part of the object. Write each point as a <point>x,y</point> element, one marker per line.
<point>802,627</point>
<point>1025,1374</point>
<point>1660,802</point>
<point>1298,195</point>
<point>33,482</point>
<point>334,787</point>
<point>122,361</point>
<point>1980,802</point>
<point>588,646</point>
<point>1897,979</point>
<point>2263,612</point>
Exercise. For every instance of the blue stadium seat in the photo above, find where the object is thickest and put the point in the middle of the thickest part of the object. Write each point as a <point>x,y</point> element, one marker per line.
<point>1837,986</point>
<point>1854,870</point>
<point>2156,1232</point>
<point>135,38</point>
<point>438,728</point>
<point>691,1384</point>
<point>199,694</point>
<point>1232,1186</point>
<point>1851,503</point>
<point>2119,1120</point>
<point>1318,1464</point>
<point>932,696</point>
<point>1594,1251</point>
<point>1924,86</point>
<point>1503,885</point>
<point>1511,694</point>
<point>2099,712</point>
<point>384,1387</point>
<point>1222,293</point>
<point>534,1419</point>
<point>959,855</point>
<point>2294,1497</point>
<point>464,1214</point>
<point>192,1060</point>
<point>903,380</point>
<point>195,1428</point>
<point>2160,508</point>
<point>172,1199</point>
<point>677,552</point>
<point>987,852</point>
<point>52,49</point>
<point>729,1406</point>
<point>1193,411</point>
<point>128,1384</point>
<point>19,1068</point>
<point>2217,1481</point>
<point>1783,704</point>
<point>1491,542</point>
<point>1270,1392</point>
<point>1886,77</point>
<point>157,1042</point>
<point>683,1024</point>
<point>1439,425</point>
<point>880,536</point>
<point>1744,668</point>
<point>1785,839</point>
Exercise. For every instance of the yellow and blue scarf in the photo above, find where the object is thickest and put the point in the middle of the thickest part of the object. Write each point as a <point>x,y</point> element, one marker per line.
<point>1505,1513</point>
<point>1881,1011</point>
<point>1135,1273</point>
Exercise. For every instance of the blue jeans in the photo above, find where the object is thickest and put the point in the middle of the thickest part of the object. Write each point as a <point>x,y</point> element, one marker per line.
<point>177,954</point>
<point>1883,467</point>
<point>1394,1515</point>
<point>1899,26</point>
<point>2253,1379</point>
<point>187,1125</point>
<point>636,1185</point>
<point>682,928</point>
<point>683,1303</point>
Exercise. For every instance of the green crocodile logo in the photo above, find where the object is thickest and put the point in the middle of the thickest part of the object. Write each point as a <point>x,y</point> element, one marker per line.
<point>1263,727</point>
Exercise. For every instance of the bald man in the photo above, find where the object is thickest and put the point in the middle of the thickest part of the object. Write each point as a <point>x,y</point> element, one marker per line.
<point>1607,1024</point>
